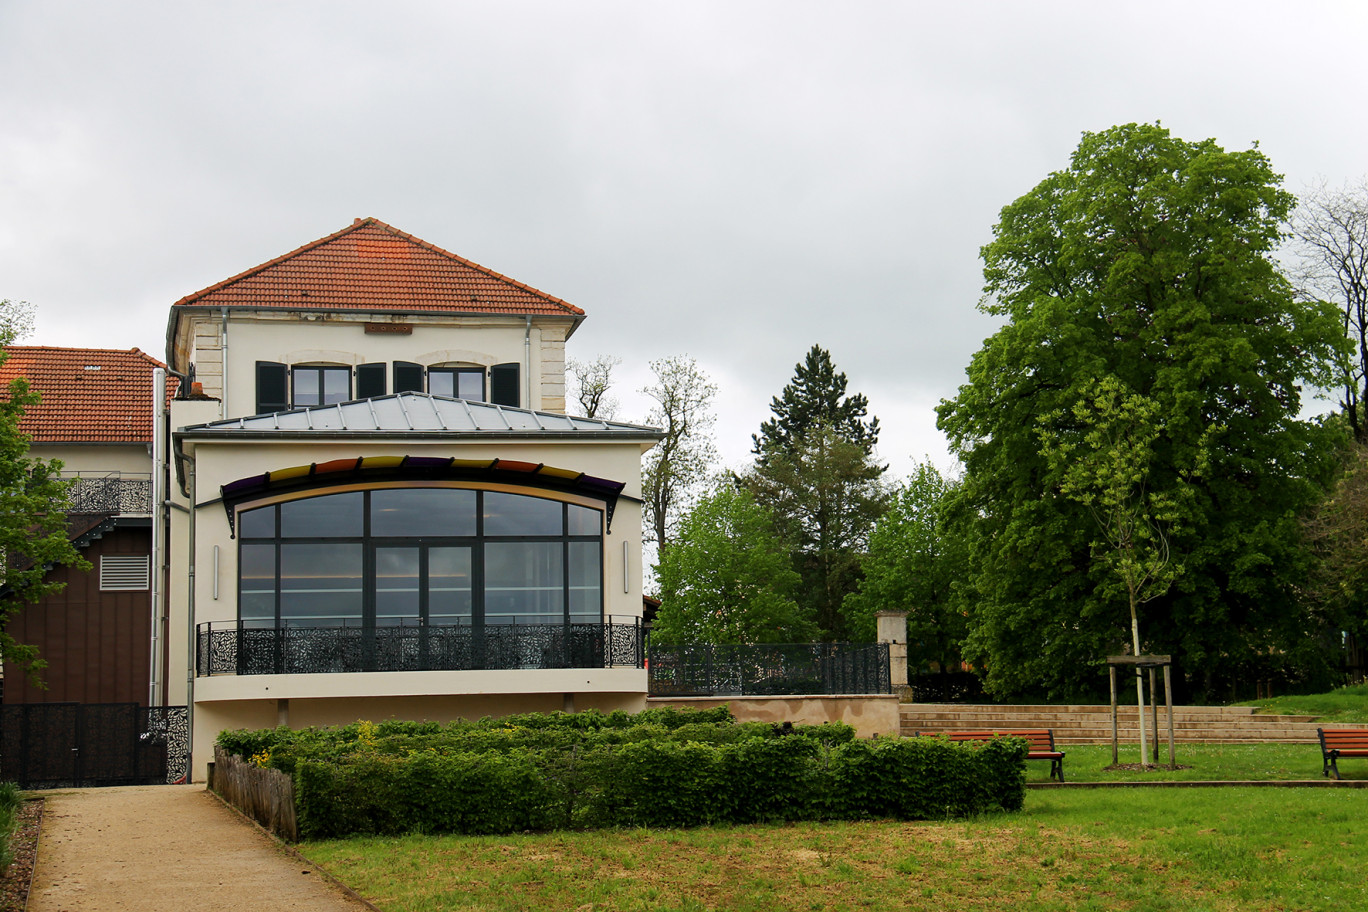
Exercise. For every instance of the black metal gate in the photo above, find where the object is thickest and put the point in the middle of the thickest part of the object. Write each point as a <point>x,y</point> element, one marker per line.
<point>62,745</point>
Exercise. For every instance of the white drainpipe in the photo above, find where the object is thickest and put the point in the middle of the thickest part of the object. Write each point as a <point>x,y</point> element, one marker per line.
<point>190,615</point>
<point>158,532</point>
<point>527,361</point>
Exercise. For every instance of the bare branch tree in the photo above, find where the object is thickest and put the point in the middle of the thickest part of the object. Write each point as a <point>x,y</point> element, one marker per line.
<point>673,469</point>
<point>16,320</point>
<point>1331,229</point>
<point>592,382</point>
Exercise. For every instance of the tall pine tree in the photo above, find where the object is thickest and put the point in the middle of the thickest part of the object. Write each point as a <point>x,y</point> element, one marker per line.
<point>815,472</point>
<point>817,394</point>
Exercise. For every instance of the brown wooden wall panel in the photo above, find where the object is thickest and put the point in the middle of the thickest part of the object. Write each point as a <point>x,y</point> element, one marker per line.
<point>97,644</point>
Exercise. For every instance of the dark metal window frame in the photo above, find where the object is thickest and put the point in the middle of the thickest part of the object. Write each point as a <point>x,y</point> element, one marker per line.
<point>322,370</point>
<point>456,373</point>
<point>476,543</point>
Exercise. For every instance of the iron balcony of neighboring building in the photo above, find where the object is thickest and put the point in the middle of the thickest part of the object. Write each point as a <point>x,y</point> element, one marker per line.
<point>112,494</point>
<point>231,648</point>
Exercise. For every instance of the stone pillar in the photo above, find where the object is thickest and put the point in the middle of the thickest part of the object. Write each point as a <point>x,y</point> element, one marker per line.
<point>893,631</point>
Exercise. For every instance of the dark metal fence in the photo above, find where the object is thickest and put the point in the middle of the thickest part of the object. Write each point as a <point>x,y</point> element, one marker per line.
<point>115,495</point>
<point>230,648</point>
<point>947,687</point>
<point>65,745</point>
<point>769,669</point>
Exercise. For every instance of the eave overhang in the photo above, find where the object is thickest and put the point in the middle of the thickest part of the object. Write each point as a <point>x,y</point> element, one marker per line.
<point>369,470</point>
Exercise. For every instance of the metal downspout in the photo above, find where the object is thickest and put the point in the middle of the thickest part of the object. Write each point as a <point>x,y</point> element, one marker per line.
<point>223,363</point>
<point>527,361</point>
<point>158,530</point>
<point>190,615</point>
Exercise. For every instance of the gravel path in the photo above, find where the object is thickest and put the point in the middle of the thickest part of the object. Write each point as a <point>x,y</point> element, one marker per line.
<point>166,847</point>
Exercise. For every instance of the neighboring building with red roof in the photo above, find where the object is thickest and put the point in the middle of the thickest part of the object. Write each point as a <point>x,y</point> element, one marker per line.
<point>95,414</point>
<point>90,396</point>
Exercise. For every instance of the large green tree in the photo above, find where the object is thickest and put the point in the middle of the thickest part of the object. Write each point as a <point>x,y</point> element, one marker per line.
<point>1148,263</point>
<point>726,578</point>
<point>33,496</point>
<point>915,565</point>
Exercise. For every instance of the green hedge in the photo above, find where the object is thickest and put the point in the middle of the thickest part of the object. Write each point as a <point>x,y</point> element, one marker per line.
<point>661,768</point>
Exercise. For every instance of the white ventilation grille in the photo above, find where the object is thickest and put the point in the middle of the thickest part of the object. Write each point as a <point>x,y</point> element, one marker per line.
<point>119,573</point>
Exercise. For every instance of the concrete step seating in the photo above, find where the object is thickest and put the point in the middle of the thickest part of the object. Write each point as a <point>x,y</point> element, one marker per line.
<point>1092,724</point>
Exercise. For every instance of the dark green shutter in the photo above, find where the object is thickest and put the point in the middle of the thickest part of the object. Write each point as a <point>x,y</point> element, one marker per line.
<point>408,377</point>
<point>503,384</point>
<point>370,381</point>
<point>272,387</point>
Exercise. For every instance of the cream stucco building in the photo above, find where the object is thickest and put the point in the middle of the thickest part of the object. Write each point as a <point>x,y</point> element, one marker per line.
<point>375,505</point>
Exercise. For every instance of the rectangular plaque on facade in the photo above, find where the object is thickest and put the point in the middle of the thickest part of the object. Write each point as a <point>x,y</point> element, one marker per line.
<point>401,329</point>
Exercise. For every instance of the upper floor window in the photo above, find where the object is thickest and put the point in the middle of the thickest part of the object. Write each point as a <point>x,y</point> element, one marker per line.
<point>457,382</point>
<point>321,385</point>
<point>280,387</point>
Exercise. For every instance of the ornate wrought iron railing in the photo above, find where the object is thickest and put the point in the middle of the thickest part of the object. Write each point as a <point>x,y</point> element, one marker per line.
<point>117,495</point>
<point>766,669</point>
<point>231,648</point>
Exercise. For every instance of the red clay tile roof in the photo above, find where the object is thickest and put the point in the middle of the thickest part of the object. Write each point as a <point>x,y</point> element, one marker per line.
<point>89,395</point>
<point>372,266</point>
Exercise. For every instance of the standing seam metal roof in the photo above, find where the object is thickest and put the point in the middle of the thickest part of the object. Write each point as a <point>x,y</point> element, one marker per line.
<point>401,413</point>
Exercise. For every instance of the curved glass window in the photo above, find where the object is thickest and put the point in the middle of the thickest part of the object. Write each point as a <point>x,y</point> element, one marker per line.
<point>419,557</point>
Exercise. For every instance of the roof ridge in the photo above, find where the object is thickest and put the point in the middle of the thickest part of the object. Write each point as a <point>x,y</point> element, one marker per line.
<point>15,349</point>
<point>374,222</point>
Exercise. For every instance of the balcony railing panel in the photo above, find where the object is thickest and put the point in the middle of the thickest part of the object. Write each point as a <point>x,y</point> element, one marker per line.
<point>770,669</point>
<point>228,648</point>
<point>116,495</point>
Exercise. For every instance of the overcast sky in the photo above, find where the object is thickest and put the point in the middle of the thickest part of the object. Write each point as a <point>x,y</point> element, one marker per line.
<point>734,181</point>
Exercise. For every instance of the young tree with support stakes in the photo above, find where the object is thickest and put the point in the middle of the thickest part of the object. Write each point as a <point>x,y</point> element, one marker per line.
<point>1104,460</point>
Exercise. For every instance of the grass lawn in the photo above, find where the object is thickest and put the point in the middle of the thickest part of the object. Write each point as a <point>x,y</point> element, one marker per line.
<point>1092,849</point>
<point>1088,762</point>
<point>1345,704</point>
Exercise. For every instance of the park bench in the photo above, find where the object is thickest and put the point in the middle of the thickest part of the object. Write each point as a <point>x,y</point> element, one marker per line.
<point>1341,742</point>
<point>1040,740</point>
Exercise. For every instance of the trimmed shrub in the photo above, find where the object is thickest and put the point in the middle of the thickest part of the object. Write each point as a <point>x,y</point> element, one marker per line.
<point>925,778</point>
<point>661,768</point>
<point>425,793</point>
